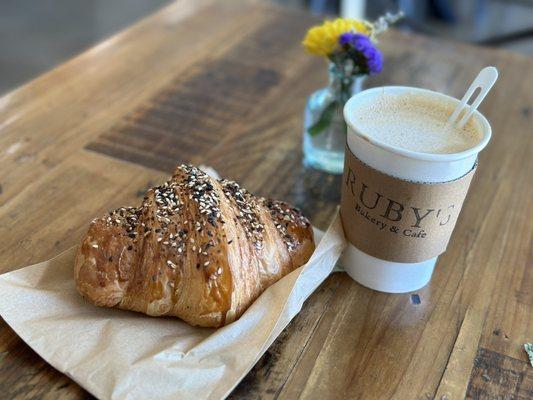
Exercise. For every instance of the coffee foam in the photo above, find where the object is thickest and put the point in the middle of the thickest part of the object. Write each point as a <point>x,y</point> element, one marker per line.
<point>415,122</point>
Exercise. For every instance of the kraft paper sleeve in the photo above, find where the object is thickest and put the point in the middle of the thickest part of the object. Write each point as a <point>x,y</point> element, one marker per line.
<point>398,220</point>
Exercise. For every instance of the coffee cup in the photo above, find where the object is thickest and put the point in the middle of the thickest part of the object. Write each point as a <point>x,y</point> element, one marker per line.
<point>408,263</point>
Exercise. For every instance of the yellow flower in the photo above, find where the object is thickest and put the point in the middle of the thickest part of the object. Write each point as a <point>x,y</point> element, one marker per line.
<point>322,40</point>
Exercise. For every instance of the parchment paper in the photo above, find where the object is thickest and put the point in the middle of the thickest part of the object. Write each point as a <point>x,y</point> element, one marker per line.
<point>117,354</point>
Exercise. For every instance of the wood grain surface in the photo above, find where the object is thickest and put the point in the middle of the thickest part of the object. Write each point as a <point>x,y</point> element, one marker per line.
<point>224,84</point>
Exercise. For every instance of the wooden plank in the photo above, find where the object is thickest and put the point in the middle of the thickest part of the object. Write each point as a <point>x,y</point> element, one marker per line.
<point>288,346</point>
<point>91,93</point>
<point>454,381</point>
<point>500,377</point>
<point>187,120</point>
<point>53,213</point>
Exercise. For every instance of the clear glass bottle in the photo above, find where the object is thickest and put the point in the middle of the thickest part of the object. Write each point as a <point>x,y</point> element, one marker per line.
<point>324,136</point>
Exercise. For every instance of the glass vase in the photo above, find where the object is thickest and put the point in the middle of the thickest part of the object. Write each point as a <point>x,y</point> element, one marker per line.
<point>324,136</point>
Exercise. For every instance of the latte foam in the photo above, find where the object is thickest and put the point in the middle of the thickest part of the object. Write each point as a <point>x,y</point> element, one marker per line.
<point>415,122</point>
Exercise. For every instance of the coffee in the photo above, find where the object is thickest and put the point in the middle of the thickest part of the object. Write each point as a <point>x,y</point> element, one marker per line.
<point>405,159</point>
<point>414,122</point>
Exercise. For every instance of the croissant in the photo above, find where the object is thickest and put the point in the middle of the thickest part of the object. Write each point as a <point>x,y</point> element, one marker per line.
<point>197,248</point>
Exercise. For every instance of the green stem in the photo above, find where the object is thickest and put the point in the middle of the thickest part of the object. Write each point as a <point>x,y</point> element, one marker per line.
<point>324,121</point>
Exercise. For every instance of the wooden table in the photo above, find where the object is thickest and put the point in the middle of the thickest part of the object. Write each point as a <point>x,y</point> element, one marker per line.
<point>224,84</point>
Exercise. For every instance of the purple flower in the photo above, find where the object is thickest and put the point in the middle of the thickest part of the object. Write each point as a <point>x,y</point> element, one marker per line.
<point>366,56</point>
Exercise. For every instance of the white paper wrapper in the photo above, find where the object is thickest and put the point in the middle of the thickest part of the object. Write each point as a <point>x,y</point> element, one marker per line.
<point>117,354</point>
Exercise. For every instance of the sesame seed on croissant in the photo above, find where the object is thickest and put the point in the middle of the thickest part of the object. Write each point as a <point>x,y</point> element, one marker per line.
<point>197,248</point>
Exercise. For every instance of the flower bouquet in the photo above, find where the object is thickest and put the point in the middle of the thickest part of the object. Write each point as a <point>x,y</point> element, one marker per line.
<point>350,47</point>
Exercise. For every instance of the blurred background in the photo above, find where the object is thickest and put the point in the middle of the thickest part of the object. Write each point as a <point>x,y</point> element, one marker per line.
<point>36,35</point>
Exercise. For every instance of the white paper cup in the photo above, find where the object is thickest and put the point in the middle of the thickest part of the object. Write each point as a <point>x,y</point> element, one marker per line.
<point>382,275</point>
